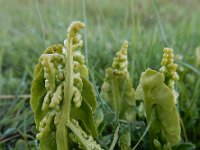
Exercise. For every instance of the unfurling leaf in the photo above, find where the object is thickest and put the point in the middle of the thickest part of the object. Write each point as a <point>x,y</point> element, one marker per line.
<point>157,89</point>
<point>158,94</point>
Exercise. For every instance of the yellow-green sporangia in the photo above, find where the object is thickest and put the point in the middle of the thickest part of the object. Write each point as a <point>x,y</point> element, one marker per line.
<point>159,94</point>
<point>62,98</point>
<point>117,90</point>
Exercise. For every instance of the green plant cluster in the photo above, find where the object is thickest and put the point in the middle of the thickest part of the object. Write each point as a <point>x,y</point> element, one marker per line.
<point>64,102</point>
<point>62,98</point>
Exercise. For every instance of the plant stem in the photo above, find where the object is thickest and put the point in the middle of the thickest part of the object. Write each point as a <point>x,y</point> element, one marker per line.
<point>115,138</point>
<point>160,23</point>
<point>62,131</point>
<point>149,125</point>
<point>116,95</point>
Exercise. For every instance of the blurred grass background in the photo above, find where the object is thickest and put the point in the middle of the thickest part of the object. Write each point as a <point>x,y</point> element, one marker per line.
<point>28,27</point>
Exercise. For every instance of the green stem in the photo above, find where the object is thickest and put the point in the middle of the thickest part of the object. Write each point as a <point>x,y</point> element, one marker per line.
<point>116,96</point>
<point>147,129</point>
<point>160,23</point>
<point>86,141</point>
<point>184,131</point>
<point>115,138</point>
<point>62,131</point>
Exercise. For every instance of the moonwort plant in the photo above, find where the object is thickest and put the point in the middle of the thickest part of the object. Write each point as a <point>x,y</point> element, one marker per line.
<point>160,98</point>
<point>64,102</point>
<point>117,90</point>
<point>62,98</point>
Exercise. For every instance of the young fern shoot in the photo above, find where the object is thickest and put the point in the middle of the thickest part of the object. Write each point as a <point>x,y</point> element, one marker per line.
<point>62,98</point>
<point>117,90</point>
<point>158,90</point>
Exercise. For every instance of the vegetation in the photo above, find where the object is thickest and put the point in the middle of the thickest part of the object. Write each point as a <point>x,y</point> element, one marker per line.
<point>62,98</point>
<point>149,27</point>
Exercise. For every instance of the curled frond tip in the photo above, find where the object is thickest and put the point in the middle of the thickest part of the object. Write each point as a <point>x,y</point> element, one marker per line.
<point>74,28</point>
